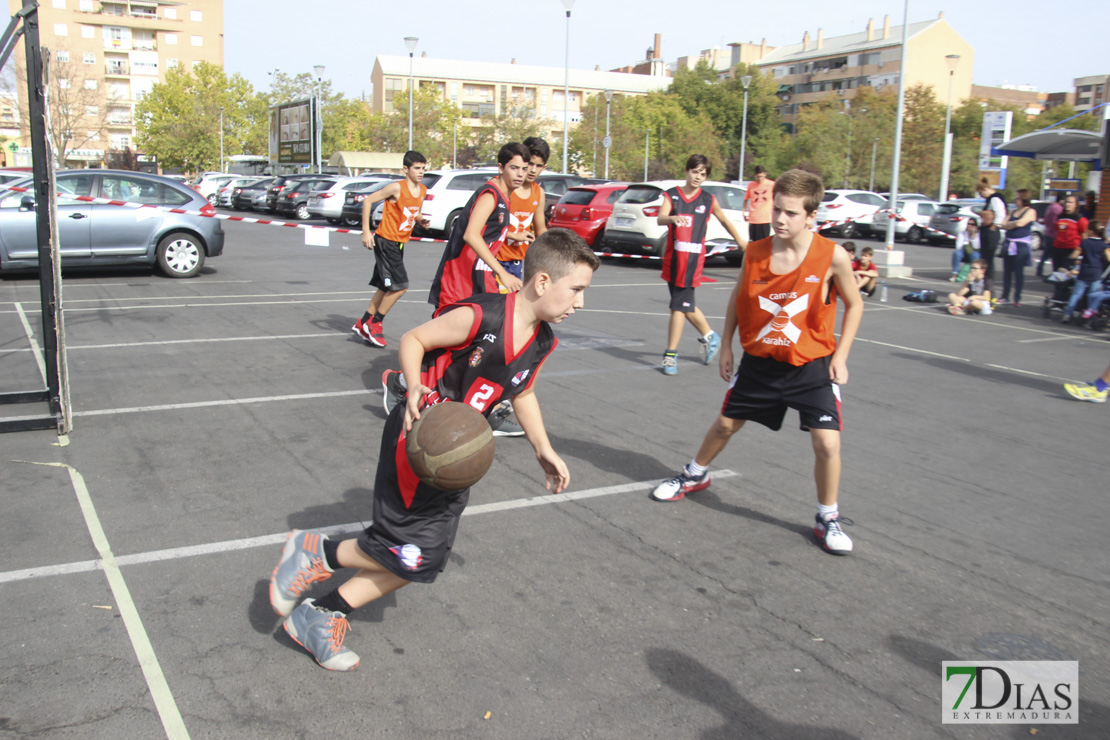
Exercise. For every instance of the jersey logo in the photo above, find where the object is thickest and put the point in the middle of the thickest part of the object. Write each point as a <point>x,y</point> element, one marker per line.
<point>691,247</point>
<point>700,209</point>
<point>519,377</point>
<point>410,556</point>
<point>812,279</point>
<point>410,213</point>
<point>475,357</point>
<point>521,221</point>
<point>782,319</point>
<point>489,338</point>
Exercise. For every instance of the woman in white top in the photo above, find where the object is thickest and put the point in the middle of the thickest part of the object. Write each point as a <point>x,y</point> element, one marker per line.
<point>967,248</point>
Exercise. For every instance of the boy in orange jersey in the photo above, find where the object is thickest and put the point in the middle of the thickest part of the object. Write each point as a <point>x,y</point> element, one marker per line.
<point>784,306</point>
<point>403,200</point>
<point>526,209</point>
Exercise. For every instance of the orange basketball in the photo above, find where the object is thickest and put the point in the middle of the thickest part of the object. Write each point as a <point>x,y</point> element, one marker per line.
<point>450,446</point>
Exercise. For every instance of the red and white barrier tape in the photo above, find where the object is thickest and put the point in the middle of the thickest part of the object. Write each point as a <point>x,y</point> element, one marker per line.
<point>201,214</point>
<point>895,216</point>
<point>715,251</point>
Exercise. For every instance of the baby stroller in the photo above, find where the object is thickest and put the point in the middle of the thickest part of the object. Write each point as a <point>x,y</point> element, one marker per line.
<point>1062,284</point>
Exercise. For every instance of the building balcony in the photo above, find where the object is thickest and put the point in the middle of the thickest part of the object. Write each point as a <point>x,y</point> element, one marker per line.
<point>116,69</point>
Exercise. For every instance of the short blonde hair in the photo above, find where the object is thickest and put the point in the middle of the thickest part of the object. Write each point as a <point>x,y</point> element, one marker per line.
<point>801,184</point>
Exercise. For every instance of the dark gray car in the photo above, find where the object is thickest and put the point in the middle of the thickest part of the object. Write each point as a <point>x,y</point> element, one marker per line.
<point>101,234</point>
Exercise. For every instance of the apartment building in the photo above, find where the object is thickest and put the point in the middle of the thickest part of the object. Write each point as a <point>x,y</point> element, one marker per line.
<point>484,90</point>
<point>808,71</point>
<point>108,54</point>
<point>1091,91</point>
<point>1028,99</point>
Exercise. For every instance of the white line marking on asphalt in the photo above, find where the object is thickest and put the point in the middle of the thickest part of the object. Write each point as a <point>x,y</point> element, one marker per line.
<point>1056,338</point>
<point>34,342</point>
<point>215,548</point>
<point>144,651</point>
<point>224,402</point>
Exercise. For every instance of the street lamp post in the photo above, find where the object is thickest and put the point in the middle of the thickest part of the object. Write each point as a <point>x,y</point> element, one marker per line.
<point>895,168</point>
<point>848,151</point>
<point>647,142</point>
<point>946,164</point>
<point>410,44</point>
<point>455,146</point>
<point>745,81</point>
<point>221,138</point>
<point>607,142</point>
<point>874,151</point>
<point>568,4</point>
<point>319,140</point>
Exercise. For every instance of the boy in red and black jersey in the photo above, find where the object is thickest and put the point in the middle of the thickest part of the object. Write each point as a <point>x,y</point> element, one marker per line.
<point>686,211</point>
<point>480,351</point>
<point>469,265</point>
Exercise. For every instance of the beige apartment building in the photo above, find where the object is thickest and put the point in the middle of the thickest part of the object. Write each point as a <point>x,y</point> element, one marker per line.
<point>808,71</point>
<point>484,90</point>
<point>108,54</point>
<point>1091,91</point>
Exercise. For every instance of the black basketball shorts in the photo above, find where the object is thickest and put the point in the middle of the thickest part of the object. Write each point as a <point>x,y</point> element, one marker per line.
<point>682,299</point>
<point>758,231</point>
<point>763,389</point>
<point>389,266</point>
<point>414,524</point>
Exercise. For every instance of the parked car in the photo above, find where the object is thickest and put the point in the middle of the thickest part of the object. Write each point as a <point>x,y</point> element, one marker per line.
<point>280,183</point>
<point>208,183</point>
<point>448,193</point>
<point>584,209</point>
<point>328,204</point>
<point>839,205</point>
<point>915,215</point>
<point>907,196</point>
<point>11,176</point>
<point>242,198</point>
<point>952,218</point>
<point>352,205</point>
<point>293,199</point>
<point>632,229</point>
<point>100,234</point>
<point>227,191</point>
<point>555,186</point>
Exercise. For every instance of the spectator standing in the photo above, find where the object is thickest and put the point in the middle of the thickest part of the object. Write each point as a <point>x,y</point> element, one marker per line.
<point>967,249</point>
<point>1018,251</point>
<point>993,214</point>
<point>757,205</point>
<point>1070,226</point>
<point>1051,215</point>
<point>1090,205</point>
<point>1094,254</point>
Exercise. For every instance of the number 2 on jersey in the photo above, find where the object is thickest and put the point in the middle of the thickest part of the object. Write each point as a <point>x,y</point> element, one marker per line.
<point>482,392</point>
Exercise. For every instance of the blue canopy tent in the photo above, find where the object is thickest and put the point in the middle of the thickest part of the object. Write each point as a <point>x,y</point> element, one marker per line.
<point>1060,143</point>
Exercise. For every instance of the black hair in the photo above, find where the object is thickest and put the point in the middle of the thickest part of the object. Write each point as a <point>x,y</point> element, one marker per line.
<point>538,148</point>
<point>760,170</point>
<point>850,246</point>
<point>412,157</point>
<point>556,252</point>
<point>699,160</point>
<point>513,149</point>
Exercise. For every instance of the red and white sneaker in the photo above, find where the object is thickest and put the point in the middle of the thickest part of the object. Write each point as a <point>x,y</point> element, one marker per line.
<point>831,536</point>
<point>374,333</point>
<point>361,330</point>
<point>677,487</point>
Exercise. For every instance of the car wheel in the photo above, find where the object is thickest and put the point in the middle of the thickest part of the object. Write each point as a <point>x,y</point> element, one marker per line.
<point>180,255</point>
<point>599,239</point>
<point>301,212</point>
<point>351,222</point>
<point>450,222</point>
<point>212,200</point>
<point>849,230</point>
<point>913,236</point>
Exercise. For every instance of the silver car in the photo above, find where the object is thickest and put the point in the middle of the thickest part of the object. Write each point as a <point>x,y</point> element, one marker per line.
<point>328,203</point>
<point>101,234</point>
<point>952,218</point>
<point>916,214</point>
<point>227,191</point>
<point>854,206</point>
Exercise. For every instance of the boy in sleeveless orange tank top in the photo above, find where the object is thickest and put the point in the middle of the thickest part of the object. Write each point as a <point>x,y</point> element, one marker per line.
<point>784,307</point>
<point>526,210</point>
<point>403,201</point>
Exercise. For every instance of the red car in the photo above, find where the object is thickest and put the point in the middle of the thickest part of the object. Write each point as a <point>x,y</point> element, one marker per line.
<point>584,209</point>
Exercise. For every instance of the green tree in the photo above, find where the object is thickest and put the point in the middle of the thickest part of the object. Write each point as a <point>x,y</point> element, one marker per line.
<point>433,126</point>
<point>179,120</point>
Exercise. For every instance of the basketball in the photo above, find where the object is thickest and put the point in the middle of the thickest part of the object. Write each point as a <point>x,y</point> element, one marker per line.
<point>450,446</point>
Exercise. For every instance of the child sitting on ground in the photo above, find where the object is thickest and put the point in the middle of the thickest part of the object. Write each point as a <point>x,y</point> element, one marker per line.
<point>866,272</point>
<point>975,295</point>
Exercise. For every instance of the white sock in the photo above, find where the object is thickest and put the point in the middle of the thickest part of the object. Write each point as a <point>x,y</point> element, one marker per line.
<point>708,336</point>
<point>826,511</point>
<point>694,470</point>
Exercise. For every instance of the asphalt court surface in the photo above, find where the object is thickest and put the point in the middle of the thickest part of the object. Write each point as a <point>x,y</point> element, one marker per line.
<point>212,415</point>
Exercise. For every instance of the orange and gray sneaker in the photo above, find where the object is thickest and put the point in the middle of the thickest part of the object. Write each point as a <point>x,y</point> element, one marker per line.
<point>321,633</point>
<point>302,564</point>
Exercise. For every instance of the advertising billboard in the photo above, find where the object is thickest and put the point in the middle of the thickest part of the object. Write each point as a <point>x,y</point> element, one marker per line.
<point>293,132</point>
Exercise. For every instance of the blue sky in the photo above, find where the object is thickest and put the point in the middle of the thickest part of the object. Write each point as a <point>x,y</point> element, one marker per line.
<point>1018,42</point>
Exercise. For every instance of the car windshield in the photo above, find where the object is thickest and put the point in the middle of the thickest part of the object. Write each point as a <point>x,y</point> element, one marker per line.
<point>948,208</point>
<point>830,197</point>
<point>576,197</point>
<point>640,194</point>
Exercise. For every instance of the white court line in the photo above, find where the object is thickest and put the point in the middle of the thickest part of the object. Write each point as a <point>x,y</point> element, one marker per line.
<point>215,548</point>
<point>224,402</point>
<point>34,342</point>
<point>160,692</point>
<point>965,359</point>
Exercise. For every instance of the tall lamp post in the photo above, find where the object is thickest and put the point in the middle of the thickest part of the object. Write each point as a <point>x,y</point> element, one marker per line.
<point>221,138</point>
<point>848,151</point>
<point>608,142</point>
<point>410,44</point>
<point>874,151</point>
<point>946,164</point>
<point>568,4</point>
<point>319,70</point>
<point>745,81</point>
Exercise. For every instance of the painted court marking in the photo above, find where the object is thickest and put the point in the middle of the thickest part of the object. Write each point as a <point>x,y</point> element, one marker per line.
<point>214,548</point>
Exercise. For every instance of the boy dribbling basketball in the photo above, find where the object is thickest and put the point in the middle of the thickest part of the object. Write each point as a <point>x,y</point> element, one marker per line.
<point>478,351</point>
<point>784,307</point>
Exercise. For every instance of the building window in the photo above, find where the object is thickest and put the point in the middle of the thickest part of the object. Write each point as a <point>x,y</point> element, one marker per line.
<point>170,13</point>
<point>61,4</point>
<point>94,135</point>
<point>63,56</point>
<point>90,57</point>
<point>61,29</point>
<point>197,40</point>
<point>88,32</point>
<point>196,15</point>
<point>121,142</point>
<point>90,84</point>
<point>63,83</point>
<point>91,110</point>
<point>171,63</point>
<point>171,39</point>
<point>86,6</point>
<point>195,64</point>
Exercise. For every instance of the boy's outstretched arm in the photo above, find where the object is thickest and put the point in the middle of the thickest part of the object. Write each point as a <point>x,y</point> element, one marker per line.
<point>720,214</point>
<point>527,409</point>
<point>450,329</point>
<point>725,359</point>
<point>853,312</point>
<point>392,190</point>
